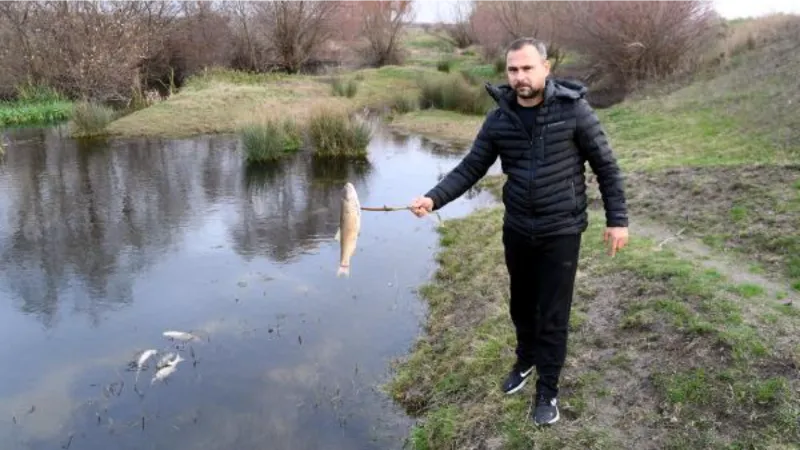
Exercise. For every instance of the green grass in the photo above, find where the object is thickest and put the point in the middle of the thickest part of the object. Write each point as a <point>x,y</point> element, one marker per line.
<point>648,139</point>
<point>220,75</point>
<point>454,93</point>
<point>270,141</point>
<point>38,113</point>
<point>659,348</point>
<point>334,134</point>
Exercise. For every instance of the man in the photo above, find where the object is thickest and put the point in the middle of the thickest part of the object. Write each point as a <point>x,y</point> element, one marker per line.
<point>543,131</point>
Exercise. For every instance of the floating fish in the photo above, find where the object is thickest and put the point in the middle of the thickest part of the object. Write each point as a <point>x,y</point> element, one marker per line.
<point>143,359</point>
<point>181,336</point>
<point>167,370</point>
<point>165,360</point>
<point>349,228</point>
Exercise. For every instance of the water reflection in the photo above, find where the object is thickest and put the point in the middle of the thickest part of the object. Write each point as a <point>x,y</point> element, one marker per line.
<point>136,237</point>
<point>292,204</point>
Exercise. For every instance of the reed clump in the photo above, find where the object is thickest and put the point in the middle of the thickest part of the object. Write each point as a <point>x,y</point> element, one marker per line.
<point>90,119</point>
<point>270,140</point>
<point>335,134</point>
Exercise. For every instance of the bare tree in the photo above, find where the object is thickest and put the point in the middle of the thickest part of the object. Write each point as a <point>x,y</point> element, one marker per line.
<point>382,22</point>
<point>461,33</point>
<point>296,29</point>
<point>498,23</point>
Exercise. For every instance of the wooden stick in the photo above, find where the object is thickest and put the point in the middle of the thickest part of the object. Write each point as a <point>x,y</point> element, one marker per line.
<point>386,208</point>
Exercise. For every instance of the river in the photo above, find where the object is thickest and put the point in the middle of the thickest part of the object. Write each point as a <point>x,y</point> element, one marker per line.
<point>105,245</point>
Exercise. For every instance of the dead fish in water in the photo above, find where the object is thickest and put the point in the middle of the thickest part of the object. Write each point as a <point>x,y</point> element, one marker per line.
<point>165,360</point>
<point>349,228</point>
<point>143,359</point>
<point>167,370</point>
<point>180,336</point>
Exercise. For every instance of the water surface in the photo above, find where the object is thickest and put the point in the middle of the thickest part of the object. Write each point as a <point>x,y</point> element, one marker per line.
<point>104,246</point>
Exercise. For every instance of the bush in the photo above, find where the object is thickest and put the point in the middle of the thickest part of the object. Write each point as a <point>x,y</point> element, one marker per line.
<point>270,141</point>
<point>444,66</point>
<point>91,119</point>
<point>454,93</point>
<point>635,41</point>
<point>334,134</point>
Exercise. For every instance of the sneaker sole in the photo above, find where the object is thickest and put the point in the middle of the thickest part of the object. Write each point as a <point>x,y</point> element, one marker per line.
<point>552,421</point>
<point>520,386</point>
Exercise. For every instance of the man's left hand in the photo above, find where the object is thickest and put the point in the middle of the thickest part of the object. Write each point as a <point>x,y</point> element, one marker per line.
<point>616,238</point>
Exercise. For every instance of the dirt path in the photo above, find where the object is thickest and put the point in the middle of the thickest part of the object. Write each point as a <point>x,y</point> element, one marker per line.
<point>736,270</point>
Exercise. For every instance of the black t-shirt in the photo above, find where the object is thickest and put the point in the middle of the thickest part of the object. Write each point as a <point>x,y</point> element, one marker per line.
<point>527,114</point>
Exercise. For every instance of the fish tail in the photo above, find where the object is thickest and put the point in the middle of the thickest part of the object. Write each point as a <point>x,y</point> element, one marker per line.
<point>343,271</point>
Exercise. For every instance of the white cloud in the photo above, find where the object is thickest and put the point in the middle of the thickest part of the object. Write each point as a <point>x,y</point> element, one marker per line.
<point>734,9</point>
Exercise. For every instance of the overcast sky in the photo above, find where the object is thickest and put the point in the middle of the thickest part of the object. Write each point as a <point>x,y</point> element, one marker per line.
<point>435,10</point>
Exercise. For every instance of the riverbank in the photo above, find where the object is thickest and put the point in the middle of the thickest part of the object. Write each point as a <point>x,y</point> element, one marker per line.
<point>669,348</point>
<point>222,101</point>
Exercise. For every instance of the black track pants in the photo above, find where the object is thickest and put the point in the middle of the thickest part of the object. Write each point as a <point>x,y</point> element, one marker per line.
<point>542,275</point>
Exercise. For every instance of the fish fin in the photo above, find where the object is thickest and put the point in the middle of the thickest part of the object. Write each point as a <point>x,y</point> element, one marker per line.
<point>343,271</point>
<point>338,234</point>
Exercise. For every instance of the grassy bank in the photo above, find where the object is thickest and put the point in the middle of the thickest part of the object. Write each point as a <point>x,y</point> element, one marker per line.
<point>449,126</point>
<point>223,101</point>
<point>663,354</point>
<point>720,158</point>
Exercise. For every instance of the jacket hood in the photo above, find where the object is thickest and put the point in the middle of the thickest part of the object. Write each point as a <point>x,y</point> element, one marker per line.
<point>554,88</point>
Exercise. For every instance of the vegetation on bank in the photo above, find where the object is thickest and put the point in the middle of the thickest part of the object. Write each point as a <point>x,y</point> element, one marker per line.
<point>35,105</point>
<point>334,134</point>
<point>91,119</point>
<point>270,141</point>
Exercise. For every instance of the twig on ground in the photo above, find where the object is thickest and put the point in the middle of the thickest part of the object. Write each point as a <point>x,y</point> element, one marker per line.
<point>660,245</point>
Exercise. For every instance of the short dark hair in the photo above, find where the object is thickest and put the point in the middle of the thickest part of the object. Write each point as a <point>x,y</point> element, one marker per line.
<point>517,44</point>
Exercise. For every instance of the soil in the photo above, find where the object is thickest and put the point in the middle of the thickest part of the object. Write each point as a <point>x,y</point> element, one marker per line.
<point>751,211</point>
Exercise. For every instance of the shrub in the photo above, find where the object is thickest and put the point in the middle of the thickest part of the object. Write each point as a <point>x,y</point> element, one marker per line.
<point>444,65</point>
<point>271,140</point>
<point>334,134</point>
<point>635,41</point>
<point>91,119</point>
<point>454,93</point>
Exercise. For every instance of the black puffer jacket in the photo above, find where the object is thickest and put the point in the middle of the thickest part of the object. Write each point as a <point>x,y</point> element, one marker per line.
<point>545,193</point>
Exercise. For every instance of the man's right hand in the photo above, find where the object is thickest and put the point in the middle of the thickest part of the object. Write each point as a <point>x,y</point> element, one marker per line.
<point>421,206</point>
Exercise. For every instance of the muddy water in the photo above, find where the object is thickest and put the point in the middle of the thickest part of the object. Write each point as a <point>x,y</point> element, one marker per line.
<point>104,246</point>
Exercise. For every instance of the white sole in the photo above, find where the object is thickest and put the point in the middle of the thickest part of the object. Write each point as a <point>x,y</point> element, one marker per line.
<point>521,385</point>
<point>552,421</point>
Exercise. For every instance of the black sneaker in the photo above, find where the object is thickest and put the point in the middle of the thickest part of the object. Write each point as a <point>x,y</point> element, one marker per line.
<point>546,411</point>
<point>517,378</point>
